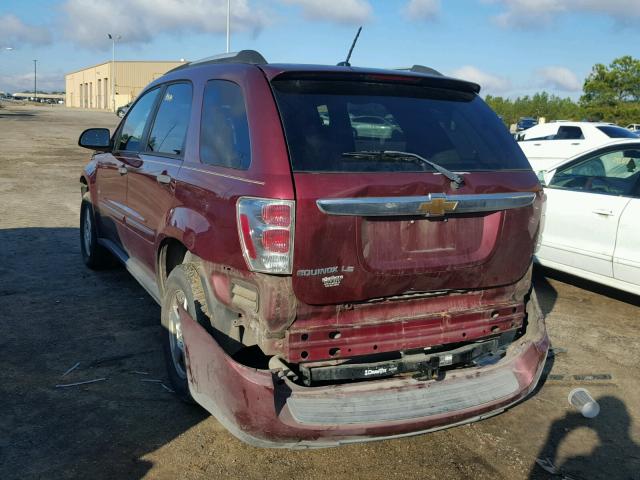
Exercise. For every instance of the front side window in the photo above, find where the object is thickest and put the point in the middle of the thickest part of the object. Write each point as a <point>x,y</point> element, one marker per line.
<point>224,128</point>
<point>327,122</point>
<point>169,129</point>
<point>131,133</point>
<point>613,173</point>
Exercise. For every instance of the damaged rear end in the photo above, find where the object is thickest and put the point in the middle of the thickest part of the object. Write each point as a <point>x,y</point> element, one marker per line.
<point>390,297</point>
<point>269,407</point>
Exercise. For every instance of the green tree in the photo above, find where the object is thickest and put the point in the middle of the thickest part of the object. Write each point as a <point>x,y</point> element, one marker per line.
<point>612,92</point>
<point>540,104</point>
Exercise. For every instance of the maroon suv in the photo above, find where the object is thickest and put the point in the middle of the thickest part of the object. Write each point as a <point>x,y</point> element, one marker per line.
<point>340,254</point>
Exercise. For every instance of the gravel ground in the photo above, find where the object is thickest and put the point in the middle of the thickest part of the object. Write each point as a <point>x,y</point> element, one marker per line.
<point>55,313</point>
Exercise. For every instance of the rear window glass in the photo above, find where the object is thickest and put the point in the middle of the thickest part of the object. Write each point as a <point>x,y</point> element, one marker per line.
<point>617,132</point>
<point>323,119</point>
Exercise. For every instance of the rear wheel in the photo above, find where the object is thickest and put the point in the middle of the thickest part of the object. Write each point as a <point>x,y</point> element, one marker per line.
<point>183,290</point>
<point>94,255</point>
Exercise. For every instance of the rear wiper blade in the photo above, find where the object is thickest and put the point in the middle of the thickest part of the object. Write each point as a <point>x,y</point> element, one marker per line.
<point>406,156</point>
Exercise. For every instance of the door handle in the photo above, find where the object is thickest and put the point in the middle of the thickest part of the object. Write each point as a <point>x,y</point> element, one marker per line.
<point>602,211</point>
<point>164,178</point>
<point>576,143</point>
<point>122,170</point>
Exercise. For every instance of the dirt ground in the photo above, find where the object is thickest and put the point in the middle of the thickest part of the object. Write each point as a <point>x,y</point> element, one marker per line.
<point>54,313</point>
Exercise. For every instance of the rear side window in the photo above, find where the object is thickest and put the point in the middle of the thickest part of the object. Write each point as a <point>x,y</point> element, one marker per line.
<point>617,132</point>
<point>169,129</point>
<point>323,119</point>
<point>224,129</point>
<point>131,133</point>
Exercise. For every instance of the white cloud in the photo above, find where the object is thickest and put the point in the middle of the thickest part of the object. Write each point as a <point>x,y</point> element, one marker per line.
<point>139,21</point>
<point>560,78</point>
<point>490,83</point>
<point>421,10</point>
<point>527,13</point>
<point>14,32</point>
<point>346,12</point>
<point>540,13</point>
<point>23,82</point>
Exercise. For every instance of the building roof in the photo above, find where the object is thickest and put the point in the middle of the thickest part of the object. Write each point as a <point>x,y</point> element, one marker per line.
<point>173,62</point>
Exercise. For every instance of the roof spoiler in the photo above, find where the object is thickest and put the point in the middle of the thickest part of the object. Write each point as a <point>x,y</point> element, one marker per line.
<point>422,69</point>
<point>381,76</point>
<point>243,56</point>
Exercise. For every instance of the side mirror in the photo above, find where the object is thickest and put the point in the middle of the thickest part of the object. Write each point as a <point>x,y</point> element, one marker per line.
<point>96,139</point>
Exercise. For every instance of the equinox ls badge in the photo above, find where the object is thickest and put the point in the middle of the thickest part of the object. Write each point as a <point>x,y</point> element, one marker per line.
<point>437,207</point>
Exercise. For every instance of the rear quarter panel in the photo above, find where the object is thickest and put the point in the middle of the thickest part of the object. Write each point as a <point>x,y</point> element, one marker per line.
<point>204,217</point>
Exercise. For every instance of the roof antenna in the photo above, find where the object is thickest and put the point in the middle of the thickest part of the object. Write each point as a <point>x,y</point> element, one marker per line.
<point>346,62</point>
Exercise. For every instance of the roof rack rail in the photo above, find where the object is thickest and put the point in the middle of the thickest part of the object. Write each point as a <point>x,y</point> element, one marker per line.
<point>422,69</point>
<point>243,56</point>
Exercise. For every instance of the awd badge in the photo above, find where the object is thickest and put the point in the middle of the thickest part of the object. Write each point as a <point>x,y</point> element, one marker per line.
<point>332,281</point>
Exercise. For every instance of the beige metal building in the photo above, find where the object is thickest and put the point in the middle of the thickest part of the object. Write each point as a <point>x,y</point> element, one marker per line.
<point>92,87</point>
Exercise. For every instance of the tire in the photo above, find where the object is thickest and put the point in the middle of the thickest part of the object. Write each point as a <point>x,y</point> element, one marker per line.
<point>94,255</point>
<point>183,287</point>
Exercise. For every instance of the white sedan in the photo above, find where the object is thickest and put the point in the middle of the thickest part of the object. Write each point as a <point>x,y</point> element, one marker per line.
<point>549,143</point>
<point>591,220</point>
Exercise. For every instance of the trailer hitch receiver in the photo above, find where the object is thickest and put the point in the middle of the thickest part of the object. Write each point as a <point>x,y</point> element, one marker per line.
<point>429,370</point>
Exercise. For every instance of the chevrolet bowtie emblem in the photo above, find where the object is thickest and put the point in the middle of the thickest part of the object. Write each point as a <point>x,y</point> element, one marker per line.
<point>437,207</point>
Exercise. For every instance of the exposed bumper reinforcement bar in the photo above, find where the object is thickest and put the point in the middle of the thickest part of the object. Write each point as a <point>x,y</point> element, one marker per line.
<point>417,362</point>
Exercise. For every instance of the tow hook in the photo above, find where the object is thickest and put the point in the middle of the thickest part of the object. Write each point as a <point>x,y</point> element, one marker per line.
<point>429,370</point>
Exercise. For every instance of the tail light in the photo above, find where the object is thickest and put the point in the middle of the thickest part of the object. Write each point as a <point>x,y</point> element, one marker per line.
<point>266,233</point>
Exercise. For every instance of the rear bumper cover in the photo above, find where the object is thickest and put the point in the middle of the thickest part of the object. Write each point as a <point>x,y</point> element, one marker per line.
<point>260,409</point>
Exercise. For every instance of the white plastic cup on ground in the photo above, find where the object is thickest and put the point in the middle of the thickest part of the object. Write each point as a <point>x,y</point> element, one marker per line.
<point>581,399</point>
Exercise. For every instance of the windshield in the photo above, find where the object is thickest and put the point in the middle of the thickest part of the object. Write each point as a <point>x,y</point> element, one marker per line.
<point>323,119</point>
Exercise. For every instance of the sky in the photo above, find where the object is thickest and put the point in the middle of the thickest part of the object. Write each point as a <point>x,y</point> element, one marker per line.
<point>510,47</point>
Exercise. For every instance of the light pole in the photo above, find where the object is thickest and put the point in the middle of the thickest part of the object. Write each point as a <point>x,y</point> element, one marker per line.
<point>114,39</point>
<point>228,22</point>
<point>35,80</point>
